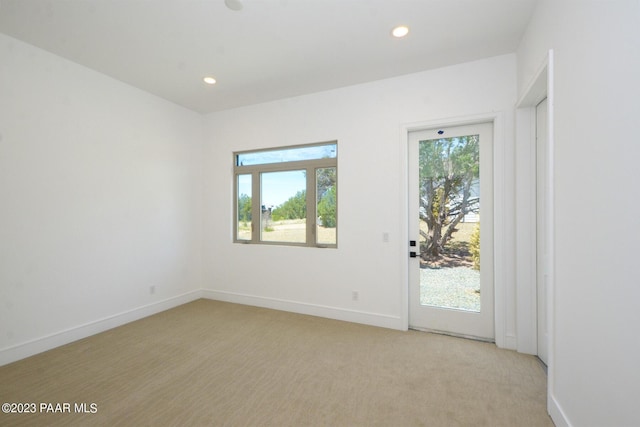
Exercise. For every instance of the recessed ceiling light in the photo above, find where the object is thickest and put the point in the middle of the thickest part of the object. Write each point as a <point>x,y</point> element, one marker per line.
<point>209,80</point>
<point>233,4</point>
<point>400,31</point>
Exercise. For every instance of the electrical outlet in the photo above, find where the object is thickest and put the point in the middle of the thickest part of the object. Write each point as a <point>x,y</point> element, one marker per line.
<point>152,289</point>
<point>355,295</point>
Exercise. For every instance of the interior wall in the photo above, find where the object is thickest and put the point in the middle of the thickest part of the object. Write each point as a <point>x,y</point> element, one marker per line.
<point>596,46</point>
<point>100,199</point>
<point>366,120</point>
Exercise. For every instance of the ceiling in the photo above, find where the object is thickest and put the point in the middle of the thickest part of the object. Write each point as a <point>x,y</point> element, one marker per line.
<point>271,49</point>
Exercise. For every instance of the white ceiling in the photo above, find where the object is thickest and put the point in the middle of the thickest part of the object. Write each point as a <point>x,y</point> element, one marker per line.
<point>269,50</point>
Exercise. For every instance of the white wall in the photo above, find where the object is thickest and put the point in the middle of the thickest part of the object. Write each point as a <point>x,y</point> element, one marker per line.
<point>100,198</point>
<point>596,378</point>
<point>366,120</point>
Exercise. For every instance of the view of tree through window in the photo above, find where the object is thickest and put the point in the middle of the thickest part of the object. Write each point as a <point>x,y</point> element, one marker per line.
<point>243,226</point>
<point>326,205</point>
<point>297,190</point>
<point>450,221</point>
<point>284,206</point>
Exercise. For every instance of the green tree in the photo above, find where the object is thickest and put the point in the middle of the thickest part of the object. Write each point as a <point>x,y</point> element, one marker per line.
<point>244,208</point>
<point>325,179</point>
<point>474,246</point>
<point>449,167</point>
<point>327,208</point>
<point>294,208</point>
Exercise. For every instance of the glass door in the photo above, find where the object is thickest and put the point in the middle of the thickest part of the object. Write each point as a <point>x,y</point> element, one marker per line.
<point>451,229</point>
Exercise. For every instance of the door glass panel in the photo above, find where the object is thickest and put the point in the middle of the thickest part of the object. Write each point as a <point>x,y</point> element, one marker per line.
<point>283,213</point>
<point>326,206</point>
<point>449,191</point>
<point>244,207</point>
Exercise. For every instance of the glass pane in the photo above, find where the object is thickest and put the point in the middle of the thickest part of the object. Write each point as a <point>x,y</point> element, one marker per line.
<point>326,206</point>
<point>312,152</point>
<point>244,208</point>
<point>284,206</point>
<point>450,222</point>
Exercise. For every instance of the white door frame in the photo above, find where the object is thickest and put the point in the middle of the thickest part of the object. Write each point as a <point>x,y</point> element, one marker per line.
<point>541,86</point>
<point>541,236</point>
<point>500,216</point>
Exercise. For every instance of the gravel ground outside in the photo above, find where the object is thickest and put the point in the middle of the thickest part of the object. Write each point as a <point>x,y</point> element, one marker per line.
<point>450,287</point>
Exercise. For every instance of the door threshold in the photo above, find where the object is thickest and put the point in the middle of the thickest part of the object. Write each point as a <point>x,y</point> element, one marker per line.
<point>544,365</point>
<point>452,334</point>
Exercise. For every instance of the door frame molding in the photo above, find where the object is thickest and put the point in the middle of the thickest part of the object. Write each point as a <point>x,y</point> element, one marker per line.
<point>526,207</point>
<point>501,218</point>
<point>540,86</point>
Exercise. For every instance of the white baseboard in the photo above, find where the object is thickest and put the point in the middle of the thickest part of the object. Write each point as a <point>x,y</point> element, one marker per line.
<point>372,319</point>
<point>30,348</point>
<point>556,413</point>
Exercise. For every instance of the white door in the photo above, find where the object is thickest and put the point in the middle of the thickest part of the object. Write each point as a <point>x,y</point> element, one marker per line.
<point>542,189</point>
<point>451,230</point>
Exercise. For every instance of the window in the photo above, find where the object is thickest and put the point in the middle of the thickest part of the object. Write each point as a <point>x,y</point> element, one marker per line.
<point>287,196</point>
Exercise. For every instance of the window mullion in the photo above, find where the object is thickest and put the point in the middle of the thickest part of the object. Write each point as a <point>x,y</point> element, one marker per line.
<point>311,206</point>
<point>256,211</point>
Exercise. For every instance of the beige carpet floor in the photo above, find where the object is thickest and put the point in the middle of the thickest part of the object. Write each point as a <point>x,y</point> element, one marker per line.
<point>210,363</point>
